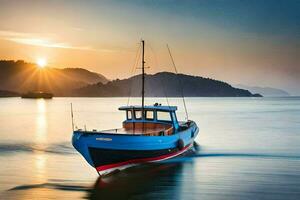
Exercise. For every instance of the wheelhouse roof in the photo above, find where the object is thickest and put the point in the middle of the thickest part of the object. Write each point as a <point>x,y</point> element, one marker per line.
<point>158,107</point>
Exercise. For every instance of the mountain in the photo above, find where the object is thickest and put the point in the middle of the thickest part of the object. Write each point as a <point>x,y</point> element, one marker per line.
<point>162,84</point>
<point>6,93</point>
<point>21,77</point>
<point>84,75</point>
<point>265,91</point>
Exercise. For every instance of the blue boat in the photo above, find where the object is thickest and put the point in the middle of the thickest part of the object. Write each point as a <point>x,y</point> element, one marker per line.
<point>148,134</point>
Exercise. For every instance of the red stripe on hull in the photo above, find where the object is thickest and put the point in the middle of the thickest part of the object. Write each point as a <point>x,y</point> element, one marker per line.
<point>141,160</point>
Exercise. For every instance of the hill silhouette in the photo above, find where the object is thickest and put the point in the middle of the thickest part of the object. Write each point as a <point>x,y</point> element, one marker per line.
<point>163,84</point>
<point>6,93</point>
<point>265,91</point>
<point>21,77</point>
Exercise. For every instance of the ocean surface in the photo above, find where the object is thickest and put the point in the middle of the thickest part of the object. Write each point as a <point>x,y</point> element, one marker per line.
<point>248,149</point>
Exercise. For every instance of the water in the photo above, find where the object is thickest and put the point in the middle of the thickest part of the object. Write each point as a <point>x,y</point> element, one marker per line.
<point>248,149</point>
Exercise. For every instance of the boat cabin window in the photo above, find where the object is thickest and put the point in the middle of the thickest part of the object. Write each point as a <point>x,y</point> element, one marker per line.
<point>138,114</point>
<point>129,114</point>
<point>149,115</point>
<point>163,116</point>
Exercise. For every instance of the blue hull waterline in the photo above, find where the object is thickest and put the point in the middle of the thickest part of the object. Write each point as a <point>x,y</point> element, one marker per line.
<point>148,134</point>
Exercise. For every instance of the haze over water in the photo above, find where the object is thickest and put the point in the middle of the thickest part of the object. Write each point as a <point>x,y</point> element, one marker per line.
<point>248,149</point>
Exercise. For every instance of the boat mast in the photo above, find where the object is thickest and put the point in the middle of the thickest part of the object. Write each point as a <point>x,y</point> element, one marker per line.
<point>143,77</point>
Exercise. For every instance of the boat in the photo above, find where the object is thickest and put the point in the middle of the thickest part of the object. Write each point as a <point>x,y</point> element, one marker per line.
<point>149,133</point>
<point>37,95</point>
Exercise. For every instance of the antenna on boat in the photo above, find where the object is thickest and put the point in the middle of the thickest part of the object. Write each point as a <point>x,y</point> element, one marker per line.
<point>72,117</point>
<point>181,86</point>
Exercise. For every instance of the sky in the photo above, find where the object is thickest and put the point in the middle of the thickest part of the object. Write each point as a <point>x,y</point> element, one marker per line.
<point>250,42</point>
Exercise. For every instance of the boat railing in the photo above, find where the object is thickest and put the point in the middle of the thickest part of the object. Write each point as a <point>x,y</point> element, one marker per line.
<point>161,132</point>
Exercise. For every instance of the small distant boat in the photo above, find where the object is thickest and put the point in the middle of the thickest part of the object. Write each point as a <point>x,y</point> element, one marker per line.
<point>149,134</point>
<point>37,95</point>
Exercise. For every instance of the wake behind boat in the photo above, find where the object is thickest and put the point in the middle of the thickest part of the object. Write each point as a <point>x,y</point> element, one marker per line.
<point>148,134</point>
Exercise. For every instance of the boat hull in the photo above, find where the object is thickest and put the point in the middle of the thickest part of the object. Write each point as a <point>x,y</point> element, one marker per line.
<point>109,152</point>
<point>107,160</point>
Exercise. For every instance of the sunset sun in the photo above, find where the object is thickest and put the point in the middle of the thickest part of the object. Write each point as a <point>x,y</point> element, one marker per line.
<point>41,62</point>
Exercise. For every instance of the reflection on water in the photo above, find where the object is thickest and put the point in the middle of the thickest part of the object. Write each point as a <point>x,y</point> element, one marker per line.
<point>40,165</point>
<point>142,182</point>
<point>41,121</point>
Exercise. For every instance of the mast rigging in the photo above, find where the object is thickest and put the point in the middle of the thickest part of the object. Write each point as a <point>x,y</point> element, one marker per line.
<point>143,77</point>
<point>180,83</point>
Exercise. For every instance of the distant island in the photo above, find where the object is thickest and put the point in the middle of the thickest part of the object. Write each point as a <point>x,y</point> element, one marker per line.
<point>21,77</point>
<point>265,91</point>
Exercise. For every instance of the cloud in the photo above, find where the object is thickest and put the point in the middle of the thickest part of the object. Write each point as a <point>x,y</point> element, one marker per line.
<point>35,40</point>
<point>46,43</point>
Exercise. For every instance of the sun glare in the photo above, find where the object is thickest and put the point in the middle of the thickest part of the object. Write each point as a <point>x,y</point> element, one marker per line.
<point>41,62</point>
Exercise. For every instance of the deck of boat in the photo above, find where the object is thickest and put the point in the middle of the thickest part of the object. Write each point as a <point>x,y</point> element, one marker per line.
<point>137,131</point>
